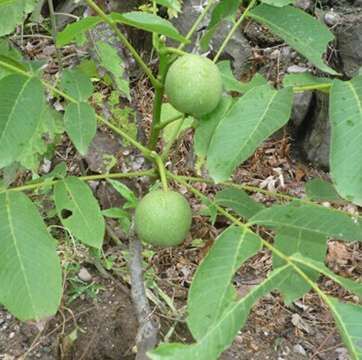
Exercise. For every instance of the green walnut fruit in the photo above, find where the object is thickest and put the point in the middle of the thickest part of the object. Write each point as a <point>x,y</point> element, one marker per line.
<point>163,218</point>
<point>193,85</point>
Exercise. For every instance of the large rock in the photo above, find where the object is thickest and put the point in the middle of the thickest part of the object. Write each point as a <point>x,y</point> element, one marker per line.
<point>315,146</point>
<point>313,132</point>
<point>349,44</point>
<point>238,49</point>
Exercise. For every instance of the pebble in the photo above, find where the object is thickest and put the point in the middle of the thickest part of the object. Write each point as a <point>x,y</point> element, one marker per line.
<point>299,349</point>
<point>303,4</point>
<point>275,54</point>
<point>46,166</point>
<point>296,69</point>
<point>331,18</point>
<point>342,353</point>
<point>84,275</point>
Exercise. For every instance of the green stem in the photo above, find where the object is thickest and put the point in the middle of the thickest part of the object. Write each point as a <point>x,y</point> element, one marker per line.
<point>126,43</point>
<point>83,178</point>
<point>171,50</point>
<point>161,171</point>
<point>321,87</point>
<point>145,151</point>
<point>269,246</point>
<point>198,22</point>
<point>54,31</point>
<point>169,121</point>
<point>157,102</point>
<point>251,188</point>
<point>232,31</point>
<point>168,147</point>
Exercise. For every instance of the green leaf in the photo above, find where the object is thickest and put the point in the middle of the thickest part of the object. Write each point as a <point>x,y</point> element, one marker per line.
<point>30,273</point>
<point>171,4</point>
<point>352,286</point>
<point>320,190</point>
<point>7,52</point>
<point>113,63</point>
<point>80,124</point>
<point>12,13</point>
<point>125,192</point>
<point>348,318</point>
<point>311,245</point>
<point>179,126</point>
<point>207,125</point>
<point>149,22</point>
<point>21,102</point>
<point>74,30</point>
<point>76,84</point>
<point>222,10</point>
<point>221,334</point>
<point>239,201</point>
<point>300,30</point>
<point>304,79</point>
<point>79,211</point>
<point>211,292</point>
<point>232,84</point>
<point>50,125</point>
<point>278,3</point>
<point>346,146</point>
<point>115,213</point>
<point>251,120</point>
<point>309,217</point>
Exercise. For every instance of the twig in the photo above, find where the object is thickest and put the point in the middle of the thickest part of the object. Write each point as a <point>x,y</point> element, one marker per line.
<point>147,329</point>
<point>232,31</point>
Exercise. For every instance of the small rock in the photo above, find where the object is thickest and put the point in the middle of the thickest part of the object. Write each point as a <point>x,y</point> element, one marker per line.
<point>138,163</point>
<point>331,18</point>
<point>342,353</point>
<point>46,166</point>
<point>49,50</point>
<point>84,275</point>
<point>11,335</point>
<point>275,54</point>
<point>296,69</point>
<point>299,323</point>
<point>299,349</point>
<point>303,4</point>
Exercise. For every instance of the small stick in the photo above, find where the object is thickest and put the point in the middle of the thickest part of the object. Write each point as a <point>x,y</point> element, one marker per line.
<point>147,335</point>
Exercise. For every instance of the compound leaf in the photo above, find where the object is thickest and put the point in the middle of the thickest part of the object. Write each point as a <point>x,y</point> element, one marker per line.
<point>114,64</point>
<point>348,318</point>
<point>12,13</point>
<point>30,273</point>
<point>211,293</point>
<point>148,22</point>
<point>79,211</point>
<point>251,120</point>
<point>80,124</point>
<point>220,335</point>
<point>76,84</point>
<point>239,201</point>
<point>74,30</point>
<point>346,144</point>
<point>300,30</point>
<point>206,127</point>
<point>320,190</point>
<point>309,217</point>
<point>21,103</point>
<point>311,245</point>
<point>352,286</point>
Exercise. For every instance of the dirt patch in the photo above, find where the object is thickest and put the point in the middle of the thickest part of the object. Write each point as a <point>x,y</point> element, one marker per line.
<point>103,328</point>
